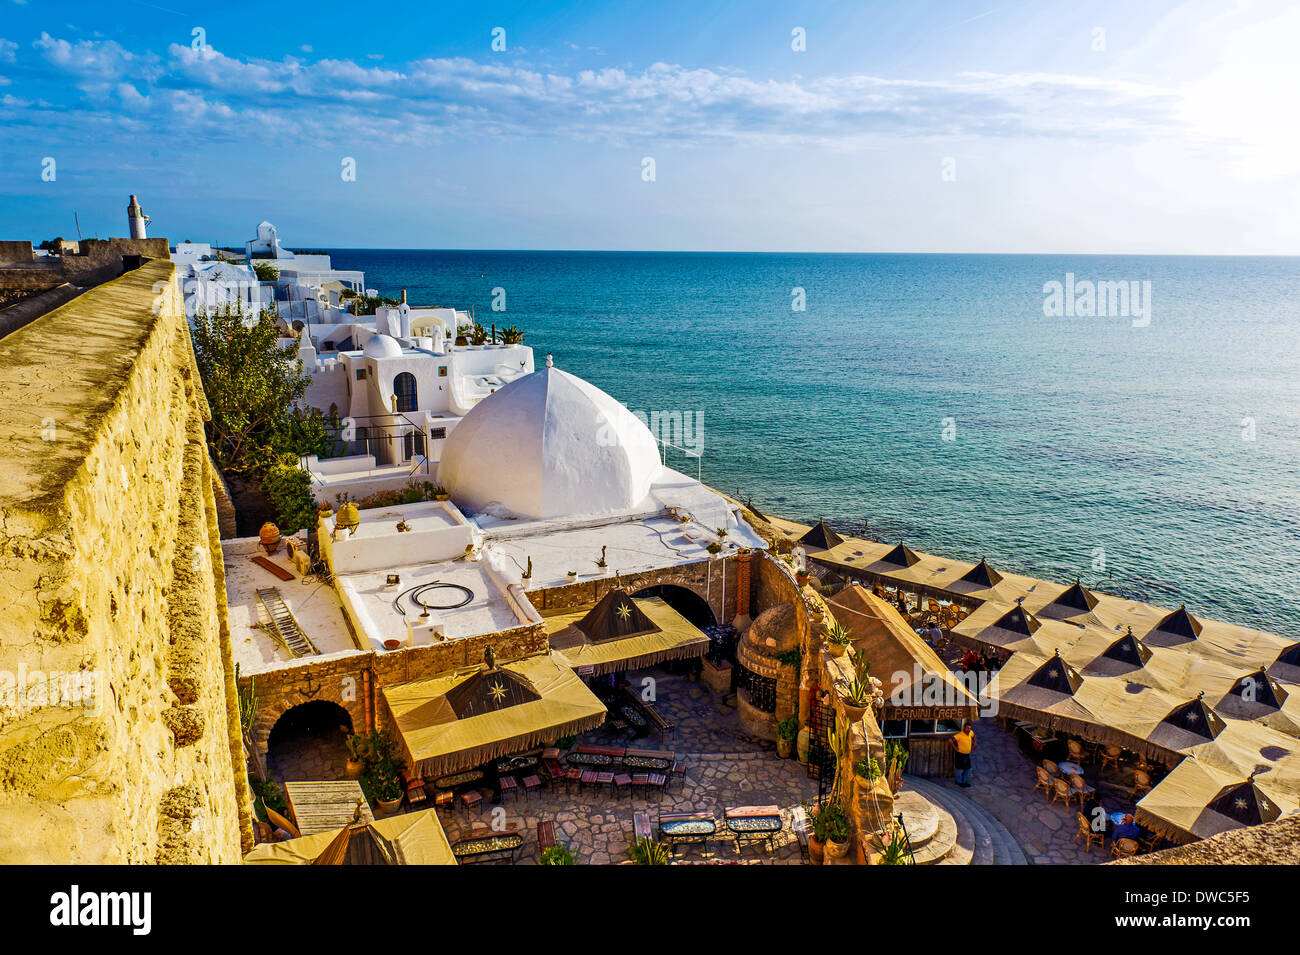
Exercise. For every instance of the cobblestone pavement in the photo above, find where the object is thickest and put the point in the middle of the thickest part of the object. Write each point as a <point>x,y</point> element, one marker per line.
<point>1003,785</point>
<point>723,768</point>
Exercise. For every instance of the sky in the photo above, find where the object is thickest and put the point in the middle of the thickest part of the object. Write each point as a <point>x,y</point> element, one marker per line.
<point>912,126</point>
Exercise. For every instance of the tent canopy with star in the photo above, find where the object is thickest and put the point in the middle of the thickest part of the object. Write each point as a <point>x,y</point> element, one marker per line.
<point>624,633</point>
<point>469,716</point>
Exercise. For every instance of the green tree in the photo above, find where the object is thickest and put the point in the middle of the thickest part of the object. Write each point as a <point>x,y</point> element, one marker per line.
<point>265,272</point>
<point>252,385</point>
<point>288,488</point>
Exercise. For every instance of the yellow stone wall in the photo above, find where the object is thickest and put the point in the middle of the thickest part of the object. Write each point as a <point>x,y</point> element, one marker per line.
<point>110,567</point>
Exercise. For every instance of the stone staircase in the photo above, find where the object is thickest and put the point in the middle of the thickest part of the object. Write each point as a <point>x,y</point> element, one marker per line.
<point>946,828</point>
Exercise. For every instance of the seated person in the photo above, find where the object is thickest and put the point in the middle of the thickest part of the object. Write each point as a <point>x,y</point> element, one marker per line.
<point>933,635</point>
<point>969,661</point>
<point>1128,829</point>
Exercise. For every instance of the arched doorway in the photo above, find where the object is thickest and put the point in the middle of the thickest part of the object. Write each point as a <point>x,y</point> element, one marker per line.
<point>685,601</point>
<point>404,390</point>
<point>309,742</point>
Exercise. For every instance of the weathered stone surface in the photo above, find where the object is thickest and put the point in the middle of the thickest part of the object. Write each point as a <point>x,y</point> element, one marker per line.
<point>107,575</point>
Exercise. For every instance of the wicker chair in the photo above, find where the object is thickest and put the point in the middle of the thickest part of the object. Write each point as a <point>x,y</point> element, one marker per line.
<point>1061,791</point>
<point>1077,785</point>
<point>1087,833</point>
<point>1110,756</point>
<point>1044,781</point>
<point>1141,783</point>
<point>1077,753</point>
<point>1124,848</point>
<point>1051,767</point>
<point>1151,841</point>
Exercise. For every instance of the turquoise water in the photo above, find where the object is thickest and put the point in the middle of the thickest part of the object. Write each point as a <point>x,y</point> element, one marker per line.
<point>1069,434</point>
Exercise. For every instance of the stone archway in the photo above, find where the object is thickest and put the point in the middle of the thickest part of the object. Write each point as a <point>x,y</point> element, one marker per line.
<point>308,742</point>
<point>685,601</point>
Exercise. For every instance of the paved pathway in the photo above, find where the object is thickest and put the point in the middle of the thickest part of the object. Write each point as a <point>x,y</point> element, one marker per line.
<point>723,768</point>
<point>1003,785</point>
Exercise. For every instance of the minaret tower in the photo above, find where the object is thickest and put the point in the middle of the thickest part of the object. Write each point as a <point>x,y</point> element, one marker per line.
<point>136,219</point>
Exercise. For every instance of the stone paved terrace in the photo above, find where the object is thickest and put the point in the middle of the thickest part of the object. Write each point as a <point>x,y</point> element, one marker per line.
<point>1003,785</point>
<point>723,768</point>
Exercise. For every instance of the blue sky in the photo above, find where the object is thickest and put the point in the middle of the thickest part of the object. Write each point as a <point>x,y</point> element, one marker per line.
<point>911,126</point>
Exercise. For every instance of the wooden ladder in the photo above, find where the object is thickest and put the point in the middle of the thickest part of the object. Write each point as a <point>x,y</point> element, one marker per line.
<point>283,626</point>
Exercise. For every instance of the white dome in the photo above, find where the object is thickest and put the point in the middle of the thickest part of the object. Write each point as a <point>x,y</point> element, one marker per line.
<point>382,346</point>
<point>550,445</point>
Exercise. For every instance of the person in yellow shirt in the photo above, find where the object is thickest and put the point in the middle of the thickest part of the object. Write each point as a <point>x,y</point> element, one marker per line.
<point>963,743</point>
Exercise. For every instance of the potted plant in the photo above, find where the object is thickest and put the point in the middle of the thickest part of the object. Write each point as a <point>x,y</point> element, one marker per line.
<point>838,832</point>
<point>356,763</point>
<point>403,527</point>
<point>649,852</point>
<point>816,835</point>
<point>896,757</point>
<point>440,493</point>
<point>896,851</point>
<point>387,789</point>
<point>786,732</point>
<point>713,548</point>
<point>838,639</point>
<point>867,770</point>
<point>573,575</point>
<point>857,697</point>
<point>556,855</point>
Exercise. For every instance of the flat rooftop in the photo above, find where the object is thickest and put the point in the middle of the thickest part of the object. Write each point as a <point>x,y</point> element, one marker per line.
<point>314,604</point>
<point>490,610</point>
<point>631,546</point>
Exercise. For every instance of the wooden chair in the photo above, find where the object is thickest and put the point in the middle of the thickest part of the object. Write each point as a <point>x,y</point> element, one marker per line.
<point>1141,783</point>
<point>532,784</point>
<point>509,786</point>
<point>1124,848</point>
<point>1061,792</point>
<point>1087,833</point>
<point>1110,756</point>
<point>623,783</point>
<point>1044,781</point>
<point>1151,841</point>
<point>545,835</point>
<point>1051,767</point>
<point>471,800</point>
<point>1078,786</point>
<point>1077,754</point>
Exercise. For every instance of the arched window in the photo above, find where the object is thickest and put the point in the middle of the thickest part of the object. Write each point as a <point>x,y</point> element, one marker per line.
<point>404,389</point>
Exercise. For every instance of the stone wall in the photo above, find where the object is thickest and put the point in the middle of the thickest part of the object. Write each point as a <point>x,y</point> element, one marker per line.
<point>109,568</point>
<point>711,580</point>
<point>353,680</point>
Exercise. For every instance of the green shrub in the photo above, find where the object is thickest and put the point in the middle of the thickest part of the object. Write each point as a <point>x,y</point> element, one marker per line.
<point>557,855</point>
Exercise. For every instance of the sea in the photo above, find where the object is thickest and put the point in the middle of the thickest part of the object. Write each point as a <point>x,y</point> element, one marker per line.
<point>969,405</point>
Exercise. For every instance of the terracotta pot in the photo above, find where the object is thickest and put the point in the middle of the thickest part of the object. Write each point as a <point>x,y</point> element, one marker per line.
<point>862,853</point>
<point>816,851</point>
<point>784,747</point>
<point>838,850</point>
<point>354,769</point>
<point>855,713</point>
<point>836,649</point>
<point>389,806</point>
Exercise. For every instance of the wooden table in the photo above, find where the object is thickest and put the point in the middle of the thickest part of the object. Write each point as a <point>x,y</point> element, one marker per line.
<point>325,806</point>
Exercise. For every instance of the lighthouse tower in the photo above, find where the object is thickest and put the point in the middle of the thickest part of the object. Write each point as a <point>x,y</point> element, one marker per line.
<point>136,219</point>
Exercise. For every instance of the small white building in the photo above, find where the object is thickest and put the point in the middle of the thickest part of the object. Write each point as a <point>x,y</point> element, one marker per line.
<point>398,401</point>
<point>305,269</point>
<point>209,282</point>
